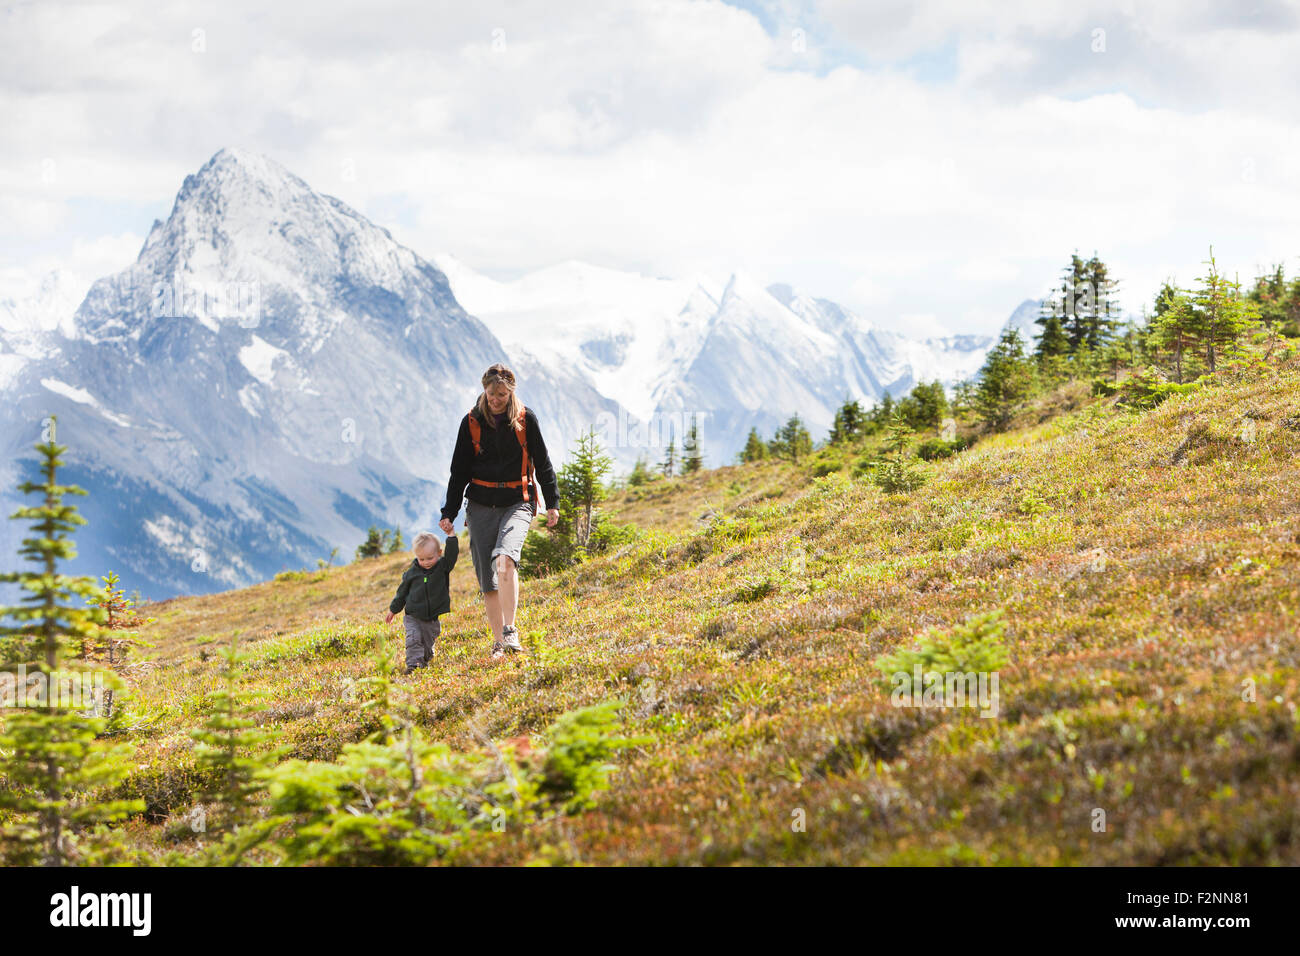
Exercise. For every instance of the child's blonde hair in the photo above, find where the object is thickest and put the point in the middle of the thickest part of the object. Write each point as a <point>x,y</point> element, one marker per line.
<point>423,538</point>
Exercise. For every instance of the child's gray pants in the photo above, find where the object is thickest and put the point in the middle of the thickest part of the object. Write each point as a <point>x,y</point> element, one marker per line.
<point>420,636</point>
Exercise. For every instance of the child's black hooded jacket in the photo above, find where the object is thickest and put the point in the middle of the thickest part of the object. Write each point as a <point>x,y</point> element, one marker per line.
<point>427,593</point>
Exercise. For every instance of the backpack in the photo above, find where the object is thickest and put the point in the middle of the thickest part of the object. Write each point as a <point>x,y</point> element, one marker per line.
<point>526,475</point>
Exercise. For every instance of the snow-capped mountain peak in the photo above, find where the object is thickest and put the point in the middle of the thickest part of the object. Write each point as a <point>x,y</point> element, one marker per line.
<point>271,375</point>
<point>756,311</point>
<point>245,238</point>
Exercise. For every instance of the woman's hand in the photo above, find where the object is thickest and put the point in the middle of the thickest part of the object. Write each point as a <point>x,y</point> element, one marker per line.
<point>552,516</point>
<point>389,618</point>
<point>445,525</point>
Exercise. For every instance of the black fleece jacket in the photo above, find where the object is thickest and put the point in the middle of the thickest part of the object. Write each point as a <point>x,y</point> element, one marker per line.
<point>499,460</point>
<point>426,592</point>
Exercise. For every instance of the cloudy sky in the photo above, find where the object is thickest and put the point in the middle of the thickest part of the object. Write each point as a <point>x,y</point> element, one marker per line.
<point>928,164</point>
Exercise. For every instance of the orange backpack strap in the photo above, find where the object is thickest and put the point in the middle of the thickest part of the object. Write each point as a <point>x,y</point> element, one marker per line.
<point>475,435</point>
<point>525,465</point>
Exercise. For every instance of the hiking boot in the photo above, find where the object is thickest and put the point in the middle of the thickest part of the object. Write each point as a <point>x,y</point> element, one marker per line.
<point>498,650</point>
<point>510,638</point>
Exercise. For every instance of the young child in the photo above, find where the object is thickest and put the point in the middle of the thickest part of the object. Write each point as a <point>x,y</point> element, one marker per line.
<point>425,592</point>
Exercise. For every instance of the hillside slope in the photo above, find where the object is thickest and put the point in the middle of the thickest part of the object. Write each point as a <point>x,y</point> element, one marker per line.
<point>1147,566</point>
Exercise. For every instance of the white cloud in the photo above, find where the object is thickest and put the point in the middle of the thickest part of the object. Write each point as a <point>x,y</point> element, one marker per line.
<point>986,269</point>
<point>866,292</point>
<point>675,137</point>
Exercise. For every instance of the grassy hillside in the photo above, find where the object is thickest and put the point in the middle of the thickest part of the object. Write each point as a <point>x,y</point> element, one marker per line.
<point>1147,567</point>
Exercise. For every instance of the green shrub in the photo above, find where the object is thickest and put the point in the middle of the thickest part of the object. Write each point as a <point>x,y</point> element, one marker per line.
<point>582,741</point>
<point>1148,389</point>
<point>545,552</point>
<point>398,803</point>
<point>826,466</point>
<point>975,646</point>
<point>895,475</point>
<point>933,449</point>
<point>609,536</point>
<point>895,470</point>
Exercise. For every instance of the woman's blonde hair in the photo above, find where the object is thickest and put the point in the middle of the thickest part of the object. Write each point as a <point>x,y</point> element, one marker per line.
<point>500,374</point>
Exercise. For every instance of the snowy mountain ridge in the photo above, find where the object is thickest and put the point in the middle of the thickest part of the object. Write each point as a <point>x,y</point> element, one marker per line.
<point>275,372</point>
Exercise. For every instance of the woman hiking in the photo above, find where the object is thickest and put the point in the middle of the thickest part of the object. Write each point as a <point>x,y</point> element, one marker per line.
<point>498,450</point>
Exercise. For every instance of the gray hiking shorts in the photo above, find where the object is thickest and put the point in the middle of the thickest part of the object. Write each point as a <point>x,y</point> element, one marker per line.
<point>495,530</point>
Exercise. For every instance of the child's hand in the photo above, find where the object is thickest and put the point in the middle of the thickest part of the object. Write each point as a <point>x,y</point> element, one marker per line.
<point>445,525</point>
<point>389,618</point>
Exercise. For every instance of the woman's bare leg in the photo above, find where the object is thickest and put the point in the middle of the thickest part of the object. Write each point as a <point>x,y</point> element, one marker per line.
<point>507,589</point>
<point>492,607</point>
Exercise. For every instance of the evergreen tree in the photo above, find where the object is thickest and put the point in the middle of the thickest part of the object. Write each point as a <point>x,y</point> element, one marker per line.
<point>1069,303</point>
<point>581,485</point>
<point>1082,313</point>
<point>230,749</point>
<point>49,758</point>
<point>925,407</point>
<point>895,471</point>
<point>1174,326</point>
<point>1165,298</point>
<point>118,636</point>
<point>963,397</point>
<point>882,412</point>
<point>640,473</point>
<point>581,489</point>
<point>669,465</point>
<point>1291,310</point>
<point>397,543</point>
<point>1102,318</point>
<point>1221,314</point>
<point>1123,351</point>
<point>792,439</point>
<point>1269,297</point>
<point>692,456</point>
<point>374,545</point>
<point>1053,345</point>
<point>755,448</point>
<point>1005,381</point>
<point>850,421</point>
<point>1054,362</point>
